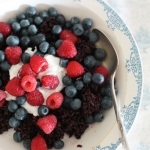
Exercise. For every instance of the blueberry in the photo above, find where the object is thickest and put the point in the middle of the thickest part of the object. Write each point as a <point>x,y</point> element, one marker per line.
<point>2,56</point>
<point>63,62</point>
<point>38,20</point>
<point>99,54</point>
<point>97,78</point>
<point>89,61</point>
<point>13,122</point>
<point>93,38</point>
<point>102,91</point>
<point>79,85</point>
<point>30,20</point>
<point>32,29</point>
<point>68,25</point>
<point>75,104</point>
<point>16,27</point>
<point>89,119</point>
<point>60,19</point>
<point>39,84</point>
<point>43,47</point>
<point>17,136</point>
<point>67,101</point>
<point>39,54</point>
<point>106,102</point>
<point>5,66</point>
<point>31,11</point>
<point>108,91</point>
<point>11,21</point>
<point>87,23</point>
<point>25,41</point>
<point>43,110</point>
<point>52,51</point>
<point>32,39</point>
<point>70,91</point>
<point>56,29</point>
<point>87,77</point>
<point>24,23</point>
<point>21,100</point>
<point>27,144</point>
<point>12,40</point>
<point>86,33</point>
<point>1,83</point>
<point>43,14</point>
<point>59,144</point>
<point>12,106</point>
<point>52,12</point>
<point>1,38</point>
<point>66,80</point>
<point>58,43</point>
<point>74,20</point>
<point>25,58</point>
<point>98,63</point>
<point>98,117</point>
<point>24,32</point>
<point>20,16</point>
<point>78,29</point>
<point>39,38</point>
<point>21,113</point>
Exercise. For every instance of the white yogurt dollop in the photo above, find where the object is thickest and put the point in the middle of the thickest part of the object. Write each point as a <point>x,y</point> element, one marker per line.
<point>53,69</point>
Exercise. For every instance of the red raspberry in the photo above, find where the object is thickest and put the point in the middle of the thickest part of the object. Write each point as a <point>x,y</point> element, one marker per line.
<point>13,54</point>
<point>55,100</point>
<point>2,102</point>
<point>38,143</point>
<point>38,63</point>
<point>102,70</point>
<point>47,123</point>
<point>14,88</point>
<point>67,35</point>
<point>67,49</point>
<point>50,81</point>
<point>26,70</point>
<point>2,97</point>
<point>35,98</point>
<point>5,28</point>
<point>74,69</point>
<point>28,83</point>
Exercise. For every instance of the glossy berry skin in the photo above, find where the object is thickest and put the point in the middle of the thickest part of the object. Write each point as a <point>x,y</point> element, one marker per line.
<point>63,62</point>
<point>98,117</point>
<point>99,54</point>
<point>43,110</point>
<point>13,122</point>
<point>2,56</point>
<point>16,27</point>
<point>74,20</point>
<point>32,29</point>
<point>87,77</point>
<point>79,84</point>
<point>12,106</point>
<point>43,14</point>
<point>11,21</point>
<point>5,29</point>
<point>89,61</point>
<point>58,43</point>
<point>25,58</point>
<point>51,51</point>
<point>59,144</point>
<point>98,78</point>
<point>87,23</point>
<point>5,66</point>
<point>17,136</point>
<point>75,104</point>
<point>56,29</point>
<point>106,103</point>
<point>67,101</point>
<point>24,32</point>
<point>55,100</point>
<point>66,80</point>
<point>93,38</point>
<point>27,144</point>
<point>68,25</point>
<point>78,29</point>
<point>39,38</point>
<point>21,113</point>
<point>89,119</point>
<point>31,11</point>
<point>21,100</point>
<point>24,41</point>
<point>20,16</point>
<point>70,91</point>
<point>12,40</point>
<point>43,47</point>
<point>1,38</point>
<point>38,20</point>
<point>24,23</point>
<point>52,12</point>
<point>60,19</point>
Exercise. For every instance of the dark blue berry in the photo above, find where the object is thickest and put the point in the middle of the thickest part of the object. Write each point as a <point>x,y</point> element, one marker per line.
<point>39,84</point>
<point>58,43</point>
<point>20,16</point>
<point>86,33</point>
<point>76,104</point>
<point>13,122</point>
<point>108,91</point>
<point>52,12</point>
<point>68,25</point>
<point>79,85</point>
<point>1,83</point>
<point>16,27</point>
<point>56,29</point>
<point>102,91</point>
<point>38,20</point>
<point>39,38</point>
<point>66,80</point>
<point>11,21</point>
<point>98,63</point>
<point>5,66</point>
<point>2,56</point>
<point>67,101</point>
<point>12,106</point>
<point>30,20</point>
<point>24,23</point>
<point>99,54</point>
<point>93,38</point>
<point>97,78</point>
<point>27,144</point>
<point>32,29</point>
<point>12,40</point>
<point>32,39</point>
<point>43,14</point>
<point>98,117</point>
<point>52,51</point>
<point>21,113</point>
<point>59,144</point>
<point>31,11</point>
<point>43,47</point>
<point>43,110</point>
<point>60,19</point>
<point>74,20</point>
<point>1,38</point>
<point>17,136</point>
<point>24,32</point>
<point>25,41</point>
<point>21,100</point>
<point>70,91</point>
<point>89,61</point>
<point>63,62</point>
<point>39,54</point>
<point>25,58</point>
<point>87,23</point>
<point>89,119</point>
<point>78,29</point>
<point>87,77</point>
<point>106,102</point>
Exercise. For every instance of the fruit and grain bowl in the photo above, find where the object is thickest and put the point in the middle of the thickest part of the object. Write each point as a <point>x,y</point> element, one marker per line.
<point>54,87</point>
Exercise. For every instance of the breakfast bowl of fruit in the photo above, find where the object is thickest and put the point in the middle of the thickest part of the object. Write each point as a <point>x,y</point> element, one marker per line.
<point>55,88</point>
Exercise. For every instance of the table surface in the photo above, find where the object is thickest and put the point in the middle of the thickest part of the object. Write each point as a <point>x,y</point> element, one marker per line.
<point>136,14</point>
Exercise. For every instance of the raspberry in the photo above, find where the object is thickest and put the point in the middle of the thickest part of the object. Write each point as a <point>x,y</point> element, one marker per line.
<point>102,70</point>
<point>2,97</point>
<point>14,88</point>
<point>47,123</point>
<point>26,70</point>
<point>35,98</point>
<point>55,100</point>
<point>2,102</point>
<point>13,54</point>
<point>38,143</point>
<point>74,69</point>
<point>28,83</point>
<point>67,35</point>
<point>67,49</point>
<point>38,63</point>
<point>50,81</point>
<point>5,28</point>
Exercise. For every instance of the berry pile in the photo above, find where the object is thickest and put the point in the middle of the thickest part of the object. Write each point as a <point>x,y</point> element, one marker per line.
<point>86,89</point>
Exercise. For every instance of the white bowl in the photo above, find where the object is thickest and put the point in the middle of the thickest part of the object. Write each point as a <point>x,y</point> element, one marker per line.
<point>104,135</point>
